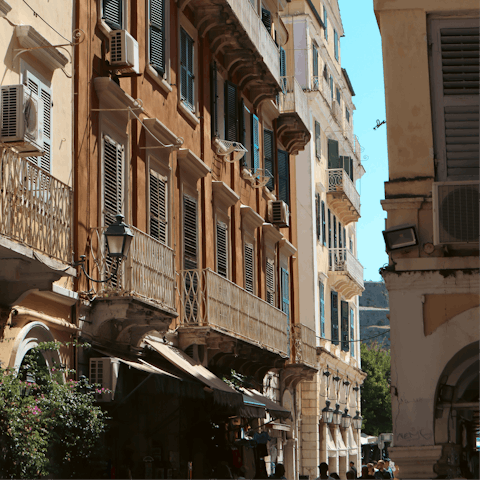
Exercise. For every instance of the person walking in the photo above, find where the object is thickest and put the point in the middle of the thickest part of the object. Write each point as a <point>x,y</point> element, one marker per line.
<point>365,473</point>
<point>324,472</point>
<point>381,472</point>
<point>352,467</point>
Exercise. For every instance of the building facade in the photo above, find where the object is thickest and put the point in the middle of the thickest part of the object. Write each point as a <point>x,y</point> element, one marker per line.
<point>328,205</point>
<point>36,279</point>
<point>431,84</point>
<point>374,314</point>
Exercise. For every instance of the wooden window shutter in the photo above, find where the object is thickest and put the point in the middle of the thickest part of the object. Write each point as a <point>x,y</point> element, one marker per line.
<point>339,95</point>
<point>112,13</point>
<point>190,260</point>
<point>344,326</point>
<point>315,60</point>
<point>345,163</point>
<point>249,267</point>
<point>325,22</point>
<point>317,215</point>
<point>322,310</point>
<point>157,35</point>
<point>351,168</point>
<point>318,145</point>
<point>455,82</point>
<point>283,63</point>
<point>334,231</point>
<point>340,239</point>
<point>325,72</point>
<point>334,317</point>
<point>285,292</point>
<point>255,143</point>
<point>270,281</point>
<point>231,116</point>
<point>268,152</point>
<point>329,229</point>
<point>352,331</point>
<point>347,115</point>
<point>187,71</point>
<point>331,87</point>
<point>214,99</point>
<point>45,93</point>
<point>333,158</point>
<point>113,179</point>
<point>267,19</point>
<point>344,238</point>
<point>158,206</point>
<point>283,177</point>
<point>324,226</point>
<point>243,128</point>
<point>335,44</point>
<point>222,249</point>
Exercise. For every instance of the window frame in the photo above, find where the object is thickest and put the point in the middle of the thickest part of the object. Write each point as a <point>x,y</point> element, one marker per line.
<point>103,25</point>
<point>160,168</point>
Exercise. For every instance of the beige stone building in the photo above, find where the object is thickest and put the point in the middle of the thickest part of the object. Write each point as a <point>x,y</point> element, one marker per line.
<point>430,55</point>
<point>328,205</point>
<point>36,98</point>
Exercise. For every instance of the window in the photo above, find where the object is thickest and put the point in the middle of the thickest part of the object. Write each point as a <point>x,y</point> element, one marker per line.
<point>344,326</point>
<point>351,244</point>
<point>249,267</point>
<point>340,239</point>
<point>112,13</point>
<point>113,179</point>
<point>255,143</point>
<point>156,35</point>
<point>322,309</point>
<point>231,115</point>
<point>246,133</point>
<point>344,239</point>
<point>222,249</point>
<point>214,100</point>
<point>318,145</point>
<point>455,83</point>
<point>283,67</point>
<point>158,206</point>
<point>187,70</point>
<point>331,88</point>
<point>329,229</point>
<point>325,73</point>
<point>339,96</point>
<point>325,23</point>
<point>315,65</point>
<point>41,90</point>
<point>333,158</point>
<point>269,155</point>
<point>283,177</point>
<point>347,115</point>
<point>270,281</point>
<point>190,247</point>
<point>352,332</point>
<point>317,216</point>
<point>334,317</point>
<point>335,44</point>
<point>324,226</point>
<point>334,231</point>
<point>285,292</point>
<point>267,19</point>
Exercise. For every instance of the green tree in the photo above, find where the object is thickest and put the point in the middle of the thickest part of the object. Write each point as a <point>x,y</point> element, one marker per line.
<point>48,427</point>
<point>376,401</point>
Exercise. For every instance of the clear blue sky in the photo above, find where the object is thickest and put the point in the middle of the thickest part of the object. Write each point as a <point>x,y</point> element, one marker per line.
<point>361,56</point>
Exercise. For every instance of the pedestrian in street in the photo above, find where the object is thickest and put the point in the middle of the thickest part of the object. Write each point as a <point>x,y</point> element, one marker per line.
<point>371,470</point>
<point>388,468</point>
<point>365,473</point>
<point>350,474</point>
<point>335,475</point>
<point>323,472</point>
<point>352,467</point>
<point>381,472</point>
<point>279,471</point>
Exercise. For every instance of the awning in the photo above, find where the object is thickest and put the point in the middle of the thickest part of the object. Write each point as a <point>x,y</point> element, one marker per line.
<point>330,442</point>
<point>352,446</point>
<point>273,408</point>
<point>342,449</point>
<point>251,408</point>
<point>222,393</point>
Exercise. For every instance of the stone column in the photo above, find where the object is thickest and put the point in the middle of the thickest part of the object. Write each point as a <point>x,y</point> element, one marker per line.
<point>310,448</point>
<point>416,462</point>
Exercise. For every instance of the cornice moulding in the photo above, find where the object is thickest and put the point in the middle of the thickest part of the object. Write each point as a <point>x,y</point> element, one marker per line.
<point>191,165</point>
<point>4,8</point>
<point>161,132</point>
<point>250,218</point>
<point>287,248</point>
<point>112,96</point>
<point>223,195</point>
<point>272,235</point>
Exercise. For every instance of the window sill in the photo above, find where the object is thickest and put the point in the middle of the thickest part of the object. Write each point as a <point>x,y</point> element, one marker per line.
<point>103,27</point>
<point>160,81</point>
<point>189,114</point>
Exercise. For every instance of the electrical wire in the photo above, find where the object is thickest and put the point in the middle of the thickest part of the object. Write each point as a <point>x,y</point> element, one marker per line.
<point>43,20</point>
<point>352,341</point>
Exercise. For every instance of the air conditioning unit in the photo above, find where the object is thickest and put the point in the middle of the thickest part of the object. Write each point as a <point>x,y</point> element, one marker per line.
<point>104,372</point>
<point>21,120</point>
<point>124,52</point>
<point>455,213</point>
<point>278,213</point>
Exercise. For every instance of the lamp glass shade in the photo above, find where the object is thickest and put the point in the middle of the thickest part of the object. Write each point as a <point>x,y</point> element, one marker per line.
<point>357,421</point>
<point>337,415</point>
<point>327,413</point>
<point>119,237</point>
<point>346,419</point>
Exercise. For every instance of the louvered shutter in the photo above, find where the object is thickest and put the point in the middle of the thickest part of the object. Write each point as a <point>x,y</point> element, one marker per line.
<point>45,93</point>
<point>344,238</point>
<point>255,143</point>
<point>317,215</point>
<point>347,115</point>
<point>318,145</point>
<point>112,13</point>
<point>329,238</point>
<point>352,331</point>
<point>249,267</point>
<point>325,22</point>
<point>334,317</point>
<point>339,96</point>
<point>270,281</point>
<point>455,79</point>
<point>113,179</point>
<point>285,292</point>
<point>158,206</point>
<point>331,88</point>
<point>344,326</point>
<point>351,168</point>
<point>157,35</point>
<point>335,44</point>
<point>268,152</point>
<point>231,116</point>
<point>334,231</point>
<point>189,233</point>
<point>322,310</point>
<point>283,69</point>
<point>333,158</point>
<point>243,129</point>
<point>324,226</point>
<point>222,249</point>
<point>315,60</point>
<point>283,176</point>
<point>267,19</point>
<point>325,73</point>
<point>214,99</point>
<point>340,238</point>
<point>187,70</point>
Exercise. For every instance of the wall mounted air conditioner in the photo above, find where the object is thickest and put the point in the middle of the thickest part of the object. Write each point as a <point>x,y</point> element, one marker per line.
<point>104,371</point>
<point>124,52</point>
<point>21,120</point>
<point>278,213</point>
<point>455,213</point>
<point>224,148</point>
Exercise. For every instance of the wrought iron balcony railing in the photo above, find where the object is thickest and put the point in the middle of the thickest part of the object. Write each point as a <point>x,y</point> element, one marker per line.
<point>349,280</point>
<point>339,181</point>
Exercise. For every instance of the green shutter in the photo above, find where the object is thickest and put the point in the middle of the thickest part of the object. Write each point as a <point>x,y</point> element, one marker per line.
<point>283,177</point>
<point>157,35</point>
<point>268,152</point>
<point>112,13</point>
<point>340,239</point>
<point>322,310</point>
<point>351,168</point>
<point>214,99</point>
<point>317,215</point>
<point>231,116</point>
<point>283,63</point>
<point>190,247</point>
<point>315,60</point>
<point>324,226</point>
<point>267,19</point>
<point>325,22</point>
<point>255,143</point>
<point>187,76</point>
<point>285,292</point>
<point>318,145</point>
<point>333,158</point>
<point>352,331</point>
<point>335,44</point>
<point>344,326</point>
<point>334,317</point>
<point>334,231</point>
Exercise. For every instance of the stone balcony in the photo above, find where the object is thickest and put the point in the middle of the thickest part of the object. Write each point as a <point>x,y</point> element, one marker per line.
<point>345,272</point>
<point>35,228</point>
<point>293,122</point>
<point>342,196</point>
<point>239,329</point>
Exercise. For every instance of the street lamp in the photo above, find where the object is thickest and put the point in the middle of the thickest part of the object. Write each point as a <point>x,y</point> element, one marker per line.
<point>337,415</point>
<point>118,237</point>
<point>346,419</point>
<point>327,413</point>
<point>357,421</point>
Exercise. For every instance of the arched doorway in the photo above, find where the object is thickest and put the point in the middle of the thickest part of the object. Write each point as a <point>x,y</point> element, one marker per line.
<point>457,414</point>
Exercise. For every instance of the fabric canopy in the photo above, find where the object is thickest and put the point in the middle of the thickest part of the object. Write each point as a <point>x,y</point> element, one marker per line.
<point>251,408</point>
<point>330,442</point>
<point>273,408</point>
<point>342,449</point>
<point>222,393</point>
<point>351,441</point>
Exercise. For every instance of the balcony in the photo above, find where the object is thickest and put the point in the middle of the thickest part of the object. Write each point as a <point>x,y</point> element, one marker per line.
<point>243,328</point>
<point>357,149</point>
<point>343,196</point>
<point>35,228</point>
<point>141,296</point>
<point>235,30</point>
<point>319,84</point>
<point>348,134</point>
<point>293,122</point>
<point>337,113</point>
<point>345,272</point>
